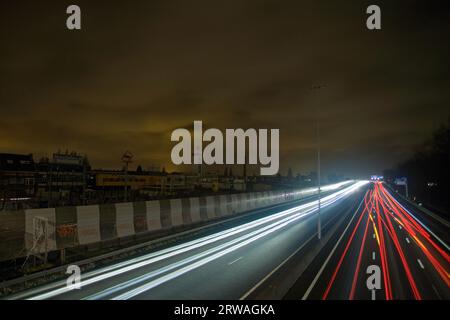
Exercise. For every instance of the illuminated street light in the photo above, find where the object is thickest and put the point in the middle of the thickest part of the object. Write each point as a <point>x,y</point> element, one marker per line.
<point>319,228</point>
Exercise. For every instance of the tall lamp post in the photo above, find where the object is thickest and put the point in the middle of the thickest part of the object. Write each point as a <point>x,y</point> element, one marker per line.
<point>319,227</point>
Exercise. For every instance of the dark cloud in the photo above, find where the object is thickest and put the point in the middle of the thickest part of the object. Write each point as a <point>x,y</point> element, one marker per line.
<point>139,69</point>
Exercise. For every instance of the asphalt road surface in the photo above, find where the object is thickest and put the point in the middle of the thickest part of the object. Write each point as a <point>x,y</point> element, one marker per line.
<point>387,234</point>
<point>374,246</point>
<point>222,265</point>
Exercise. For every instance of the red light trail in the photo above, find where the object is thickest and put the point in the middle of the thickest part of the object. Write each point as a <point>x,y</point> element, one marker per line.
<point>387,215</point>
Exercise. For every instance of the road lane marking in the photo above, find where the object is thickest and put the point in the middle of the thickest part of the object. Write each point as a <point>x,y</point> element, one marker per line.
<point>373,255</point>
<point>313,283</point>
<point>420,264</point>
<point>407,239</point>
<point>435,291</point>
<point>375,234</point>
<point>236,260</point>
<point>400,227</point>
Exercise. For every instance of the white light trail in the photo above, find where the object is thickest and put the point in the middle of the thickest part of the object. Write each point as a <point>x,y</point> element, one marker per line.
<point>287,215</point>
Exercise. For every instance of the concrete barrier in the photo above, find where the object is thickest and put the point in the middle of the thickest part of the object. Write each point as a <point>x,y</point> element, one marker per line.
<point>194,210</point>
<point>124,219</point>
<point>88,223</point>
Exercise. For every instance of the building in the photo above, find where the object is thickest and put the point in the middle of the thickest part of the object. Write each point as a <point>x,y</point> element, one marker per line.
<point>110,185</point>
<point>17,179</point>
<point>62,179</point>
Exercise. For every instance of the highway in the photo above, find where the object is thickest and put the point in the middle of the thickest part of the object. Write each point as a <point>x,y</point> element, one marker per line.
<point>226,264</point>
<point>388,233</point>
<point>363,225</point>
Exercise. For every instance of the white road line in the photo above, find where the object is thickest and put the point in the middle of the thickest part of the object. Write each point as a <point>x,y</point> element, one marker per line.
<point>313,283</point>
<point>420,264</point>
<point>374,236</point>
<point>236,260</point>
<point>400,227</point>
<point>407,239</point>
<point>435,291</point>
<point>373,255</point>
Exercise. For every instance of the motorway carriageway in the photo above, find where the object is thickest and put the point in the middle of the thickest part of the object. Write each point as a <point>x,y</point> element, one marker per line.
<point>229,264</point>
<point>391,234</point>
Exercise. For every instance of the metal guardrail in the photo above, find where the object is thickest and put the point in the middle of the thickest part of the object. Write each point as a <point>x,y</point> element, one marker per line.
<point>426,211</point>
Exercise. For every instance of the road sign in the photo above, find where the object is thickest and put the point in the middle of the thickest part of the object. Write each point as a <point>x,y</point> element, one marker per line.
<point>401,181</point>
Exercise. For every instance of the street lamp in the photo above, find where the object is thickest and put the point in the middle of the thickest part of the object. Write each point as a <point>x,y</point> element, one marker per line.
<point>319,227</point>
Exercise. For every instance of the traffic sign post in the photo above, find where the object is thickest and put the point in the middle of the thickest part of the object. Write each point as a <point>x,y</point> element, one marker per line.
<point>403,181</point>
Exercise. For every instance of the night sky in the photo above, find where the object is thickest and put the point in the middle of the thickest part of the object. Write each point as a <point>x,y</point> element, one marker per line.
<point>139,69</point>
